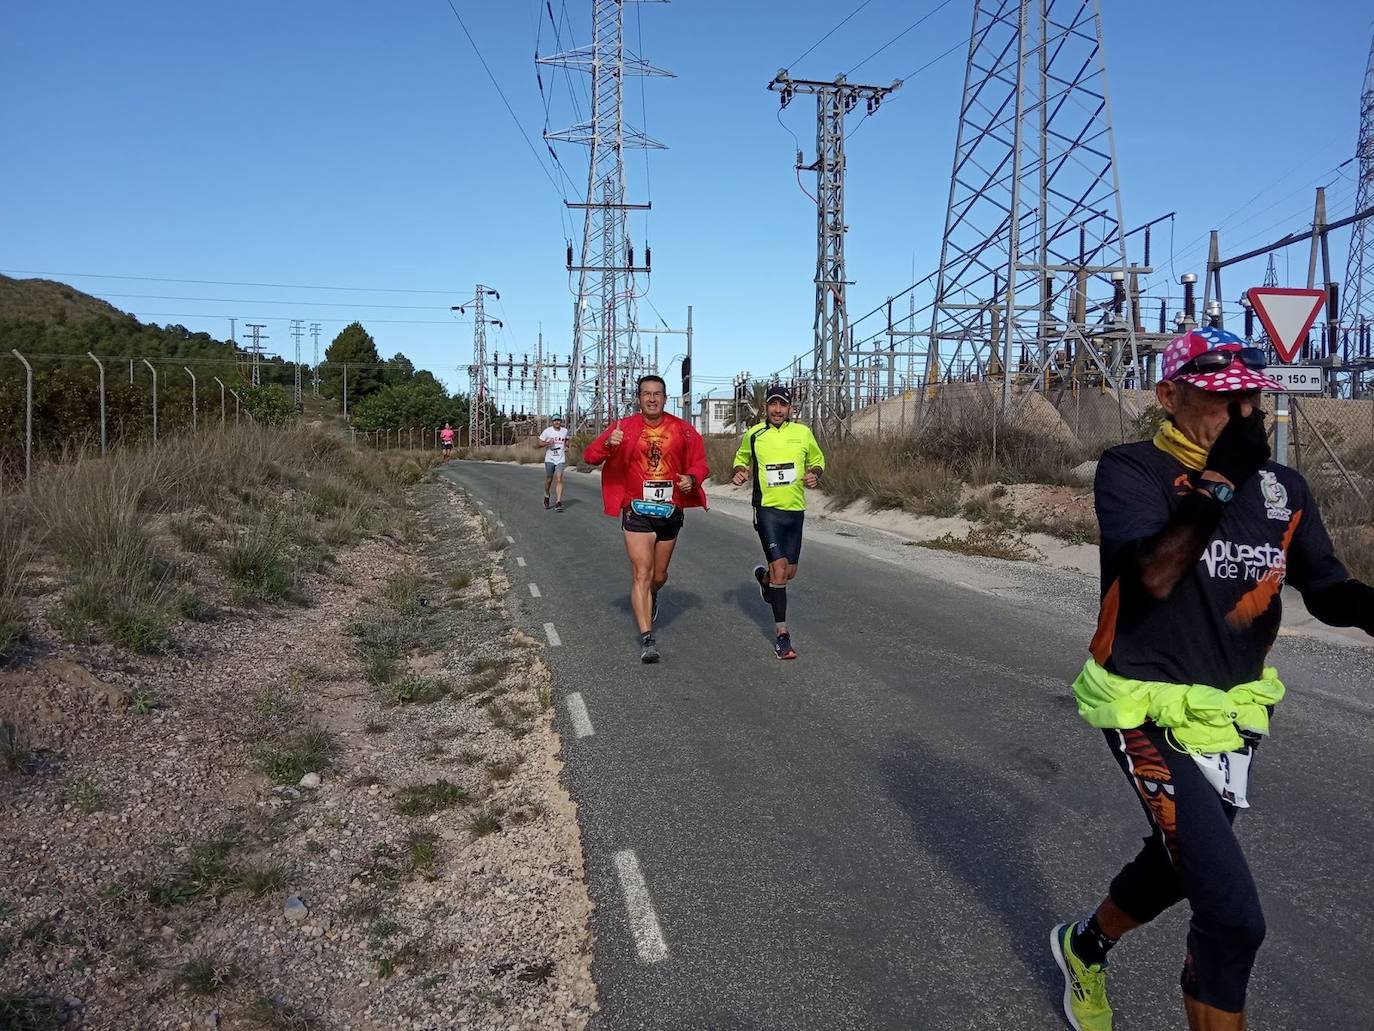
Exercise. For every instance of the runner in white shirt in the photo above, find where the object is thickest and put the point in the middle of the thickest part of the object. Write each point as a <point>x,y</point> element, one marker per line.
<point>555,441</point>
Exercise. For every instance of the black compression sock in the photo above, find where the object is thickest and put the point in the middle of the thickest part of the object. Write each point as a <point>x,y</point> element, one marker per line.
<point>777,597</point>
<point>1090,943</point>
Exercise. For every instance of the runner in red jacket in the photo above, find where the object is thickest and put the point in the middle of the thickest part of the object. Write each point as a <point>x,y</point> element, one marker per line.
<point>655,464</point>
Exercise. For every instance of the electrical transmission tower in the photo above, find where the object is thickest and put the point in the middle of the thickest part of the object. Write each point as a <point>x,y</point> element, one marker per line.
<point>256,348</point>
<point>834,100</point>
<point>479,393</point>
<point>1357,309</point>
<point>1034,219</point>
<point>315,363</point>
<point>297,327</point>
<point>605,324</point>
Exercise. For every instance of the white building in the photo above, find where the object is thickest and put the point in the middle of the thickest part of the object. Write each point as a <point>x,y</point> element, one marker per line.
<point>716,415</point>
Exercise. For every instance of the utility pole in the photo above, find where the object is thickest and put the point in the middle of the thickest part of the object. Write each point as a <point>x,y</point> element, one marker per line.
<point>479,426</point>
<point>297,327</point>
<point>315,360</point>
<point>256,348</point>
<point>833,101</point>
<point>604,313</point>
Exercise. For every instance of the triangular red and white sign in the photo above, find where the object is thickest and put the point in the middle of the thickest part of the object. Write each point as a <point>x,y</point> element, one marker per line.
<point>1287,315</point>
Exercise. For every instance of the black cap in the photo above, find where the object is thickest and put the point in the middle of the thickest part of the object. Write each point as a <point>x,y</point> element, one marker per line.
<point>779,392</point>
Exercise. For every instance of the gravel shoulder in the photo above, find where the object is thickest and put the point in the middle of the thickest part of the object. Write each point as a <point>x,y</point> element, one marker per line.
<point>264,829</point>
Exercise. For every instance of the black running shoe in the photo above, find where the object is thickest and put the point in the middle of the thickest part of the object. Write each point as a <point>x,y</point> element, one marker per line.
<point>546,501</point>
<point>648,649</point>
<point>782,647</point>
<point>761,575</point>
<point>558,507</point>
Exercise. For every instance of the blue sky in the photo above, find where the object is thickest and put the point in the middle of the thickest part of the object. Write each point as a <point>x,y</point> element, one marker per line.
<point>361,145</point>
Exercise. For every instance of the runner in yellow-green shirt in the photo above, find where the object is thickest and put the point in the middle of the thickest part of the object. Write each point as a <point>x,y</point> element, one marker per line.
<point>785,459</point>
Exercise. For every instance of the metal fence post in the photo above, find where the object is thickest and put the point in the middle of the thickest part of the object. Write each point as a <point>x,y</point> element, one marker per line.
<point>28,415</point>
<point>236,406</point>
<point>101,366</point>
<point>193,398</point>
<point>154,372</point>
<point>221,398</point>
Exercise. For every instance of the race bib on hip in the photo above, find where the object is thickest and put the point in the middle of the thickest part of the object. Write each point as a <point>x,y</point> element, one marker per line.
<point>1228,773</point>
<point>658,491</point>
<point>780,474</point>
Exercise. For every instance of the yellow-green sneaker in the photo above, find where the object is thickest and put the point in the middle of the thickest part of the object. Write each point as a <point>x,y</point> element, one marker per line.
<point>1085,987</point>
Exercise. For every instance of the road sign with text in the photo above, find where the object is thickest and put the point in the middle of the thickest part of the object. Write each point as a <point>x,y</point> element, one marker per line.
<point>1297,379</point>
<point>1287,315</point>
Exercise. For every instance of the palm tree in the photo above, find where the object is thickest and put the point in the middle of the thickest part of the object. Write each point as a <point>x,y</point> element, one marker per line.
<point>751,405</point>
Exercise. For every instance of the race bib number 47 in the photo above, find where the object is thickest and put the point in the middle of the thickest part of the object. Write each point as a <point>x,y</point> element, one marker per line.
<point>780,474</point>
<point>658,490</point>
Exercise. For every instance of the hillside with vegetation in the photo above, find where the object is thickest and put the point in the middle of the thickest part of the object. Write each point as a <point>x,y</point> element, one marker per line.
<point>57,327</point>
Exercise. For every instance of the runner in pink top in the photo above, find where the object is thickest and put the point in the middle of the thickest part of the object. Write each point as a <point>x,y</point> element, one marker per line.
<point>446,436</point>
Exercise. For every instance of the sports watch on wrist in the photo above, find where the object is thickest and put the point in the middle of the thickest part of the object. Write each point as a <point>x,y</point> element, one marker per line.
<point>1220,492</point>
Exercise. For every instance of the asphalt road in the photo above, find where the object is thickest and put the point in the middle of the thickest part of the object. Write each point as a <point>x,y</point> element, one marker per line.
<point>881,834</point>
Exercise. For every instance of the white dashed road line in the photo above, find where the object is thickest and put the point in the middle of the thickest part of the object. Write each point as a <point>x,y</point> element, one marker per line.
<point>644,927</point>
<point>519,561</point>
<point>534,590</point>
<point>581,719</point>
<point>552,635</point>
<point>510,539</point>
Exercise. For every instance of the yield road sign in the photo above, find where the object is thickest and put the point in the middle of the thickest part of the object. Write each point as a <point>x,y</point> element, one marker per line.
<point>1287,315</point>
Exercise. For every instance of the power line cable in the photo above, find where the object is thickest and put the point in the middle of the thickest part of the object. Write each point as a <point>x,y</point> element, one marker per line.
<point>285,318</point>
<point>502,94</point>
<point>832,32</point>
<point>911,75</point>
<point>929,14</point>
<point>229,282</point>
<point>306,304</point>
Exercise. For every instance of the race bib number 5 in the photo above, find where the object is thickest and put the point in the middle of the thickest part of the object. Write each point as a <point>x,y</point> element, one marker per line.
<point>780,474</point>
<point>658,490</point>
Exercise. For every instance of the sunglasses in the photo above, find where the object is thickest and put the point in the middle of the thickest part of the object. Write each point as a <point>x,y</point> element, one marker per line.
<point>1215,361</point>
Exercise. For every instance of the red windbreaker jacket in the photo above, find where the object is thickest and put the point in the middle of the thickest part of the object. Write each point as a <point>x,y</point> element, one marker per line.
<point>614,493</point>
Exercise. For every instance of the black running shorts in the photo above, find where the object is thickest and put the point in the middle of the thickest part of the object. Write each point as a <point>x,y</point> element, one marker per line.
<point>665,529</point>
<point>780,533</point>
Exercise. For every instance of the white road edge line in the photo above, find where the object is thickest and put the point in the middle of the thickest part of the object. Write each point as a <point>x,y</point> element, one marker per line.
<point>644,926</point>
<point>552,635</point>
<point>510,539</point>
<point>519,561</point>
<point>534,590</point>
<point>581,719</point>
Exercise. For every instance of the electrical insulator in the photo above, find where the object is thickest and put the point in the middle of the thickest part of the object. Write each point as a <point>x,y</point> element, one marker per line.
<point>630,262</point>
<point>569,257</point>
<point>648,258</point>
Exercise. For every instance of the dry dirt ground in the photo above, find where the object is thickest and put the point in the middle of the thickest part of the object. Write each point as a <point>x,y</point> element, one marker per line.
<point>248,833</point>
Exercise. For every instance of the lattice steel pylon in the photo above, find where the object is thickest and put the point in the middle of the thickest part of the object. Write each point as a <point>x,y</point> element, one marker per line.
<point>605,321</point>
<point>1034,219</point>
<point>479,393</point>
<point>1357,306</point>
<point>831,355</point>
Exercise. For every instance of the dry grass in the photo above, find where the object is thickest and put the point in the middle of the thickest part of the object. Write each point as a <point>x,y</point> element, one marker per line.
<point>922,472</point>
<point>525,453</point>
<point>984,541</point>
<point>15,552</point>
<point>120,527</point>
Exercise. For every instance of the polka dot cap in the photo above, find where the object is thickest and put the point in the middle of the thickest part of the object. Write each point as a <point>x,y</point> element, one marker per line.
<point>1235,377</point>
